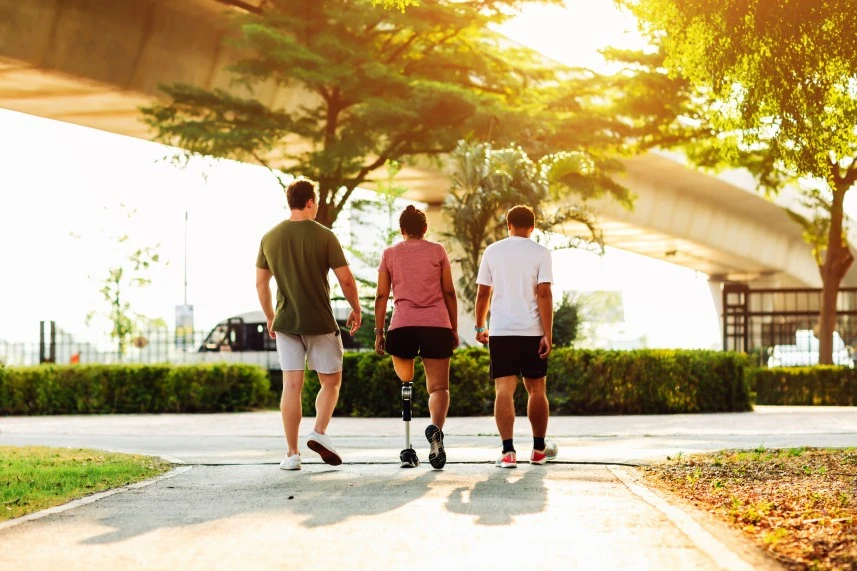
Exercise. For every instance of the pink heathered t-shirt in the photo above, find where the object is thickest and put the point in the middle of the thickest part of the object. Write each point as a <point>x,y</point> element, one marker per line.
<point>414,267</point>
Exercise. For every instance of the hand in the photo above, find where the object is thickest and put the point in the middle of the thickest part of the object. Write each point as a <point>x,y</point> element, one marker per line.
<point>271,333</point>
<point>379,344</point>
<point>455,340</point>
<point>482,337</point>
<point>545,347</point>
<point>355,318</point>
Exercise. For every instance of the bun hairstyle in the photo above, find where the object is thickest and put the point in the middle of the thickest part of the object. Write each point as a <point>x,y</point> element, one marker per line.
<point>413,222</point>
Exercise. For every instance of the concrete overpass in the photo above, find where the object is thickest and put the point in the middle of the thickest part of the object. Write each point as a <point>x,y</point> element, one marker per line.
<point>95,62</point>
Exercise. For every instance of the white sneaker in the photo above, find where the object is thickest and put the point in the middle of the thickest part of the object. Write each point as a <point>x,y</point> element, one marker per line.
<point>322,444</point>
<point>292,462</point>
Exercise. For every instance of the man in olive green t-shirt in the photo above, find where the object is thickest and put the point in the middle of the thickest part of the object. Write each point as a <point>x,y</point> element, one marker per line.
<point>298,253</point>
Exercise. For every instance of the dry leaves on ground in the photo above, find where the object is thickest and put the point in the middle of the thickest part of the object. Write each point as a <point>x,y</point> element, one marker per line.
<point>800,504</point>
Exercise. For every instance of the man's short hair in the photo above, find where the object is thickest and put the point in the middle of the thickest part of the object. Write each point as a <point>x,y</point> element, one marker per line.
<point>521,217</point>
<point>299,192</point>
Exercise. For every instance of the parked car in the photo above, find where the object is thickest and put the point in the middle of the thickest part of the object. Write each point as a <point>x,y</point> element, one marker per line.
<point>805,351</point>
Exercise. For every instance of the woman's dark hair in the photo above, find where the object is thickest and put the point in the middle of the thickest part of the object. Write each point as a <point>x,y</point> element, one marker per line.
<point>413,222</point>
<point>299,193</point>
<point>521,217</point>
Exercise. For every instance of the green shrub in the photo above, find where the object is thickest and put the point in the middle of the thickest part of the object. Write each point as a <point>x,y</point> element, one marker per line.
<point>579,382</point>
<point>818,385</point>
<point>646,382</point>
<point>103,389</point>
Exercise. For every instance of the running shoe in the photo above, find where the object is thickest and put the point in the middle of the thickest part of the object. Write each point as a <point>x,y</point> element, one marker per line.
<point>437,455</point>
<point>409,459</point>
<point>507,460</point>
<point>544,456</point>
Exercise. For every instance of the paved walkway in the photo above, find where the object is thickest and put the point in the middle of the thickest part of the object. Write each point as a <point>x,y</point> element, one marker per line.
<point>232,508</point>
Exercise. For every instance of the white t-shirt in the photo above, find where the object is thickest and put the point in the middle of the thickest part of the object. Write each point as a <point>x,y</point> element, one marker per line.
<point>513,267</point>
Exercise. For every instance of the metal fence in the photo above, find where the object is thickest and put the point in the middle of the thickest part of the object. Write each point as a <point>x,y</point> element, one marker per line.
<point>778,327</point>
<point>155,346</point>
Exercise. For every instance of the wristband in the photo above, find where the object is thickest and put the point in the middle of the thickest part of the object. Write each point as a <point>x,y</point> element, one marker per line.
<point>480,329</point>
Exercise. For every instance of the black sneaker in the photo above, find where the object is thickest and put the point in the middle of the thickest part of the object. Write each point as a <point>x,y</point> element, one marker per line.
<point>437,455</point>
<point>409,459</point>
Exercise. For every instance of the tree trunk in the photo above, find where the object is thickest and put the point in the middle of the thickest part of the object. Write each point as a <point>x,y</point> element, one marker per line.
<point>837,261</point>
<point>325,213</point>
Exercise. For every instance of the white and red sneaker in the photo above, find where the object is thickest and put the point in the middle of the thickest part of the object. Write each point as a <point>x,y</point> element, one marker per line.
<point>543,456</point>
<point>507,460</point>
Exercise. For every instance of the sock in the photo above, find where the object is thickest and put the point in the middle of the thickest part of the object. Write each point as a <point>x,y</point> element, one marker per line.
<point>539,443</point>
<point>507,446</point>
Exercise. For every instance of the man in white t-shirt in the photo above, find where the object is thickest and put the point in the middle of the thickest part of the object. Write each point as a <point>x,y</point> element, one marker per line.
<point>517,271</point>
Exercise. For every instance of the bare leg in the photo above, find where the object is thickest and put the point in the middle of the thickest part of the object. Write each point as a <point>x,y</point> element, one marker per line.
<point>504,405</point>
<point>537,406</point>
<point>290,407</point>
<point>404,368</point>
<point>325,401</point>
<point>437,385</point>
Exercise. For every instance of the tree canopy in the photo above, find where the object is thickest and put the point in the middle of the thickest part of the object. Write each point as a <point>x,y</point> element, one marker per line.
<point>372,86</point>
<point>770,86</point>
<point>399,4</point>
<point>487,182</point>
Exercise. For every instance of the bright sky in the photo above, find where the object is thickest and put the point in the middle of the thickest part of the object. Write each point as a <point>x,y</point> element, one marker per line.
<point>60,181</point>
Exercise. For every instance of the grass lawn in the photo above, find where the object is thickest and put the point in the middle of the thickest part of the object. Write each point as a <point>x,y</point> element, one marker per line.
<point>34,478</point>
<point>799,504</point>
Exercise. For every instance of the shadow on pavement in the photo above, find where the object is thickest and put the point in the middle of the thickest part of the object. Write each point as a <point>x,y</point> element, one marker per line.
<point>501,497</point>
<point>323,495</point>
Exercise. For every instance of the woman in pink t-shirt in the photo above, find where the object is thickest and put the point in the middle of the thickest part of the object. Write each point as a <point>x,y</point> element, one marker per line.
<point>425,317</point>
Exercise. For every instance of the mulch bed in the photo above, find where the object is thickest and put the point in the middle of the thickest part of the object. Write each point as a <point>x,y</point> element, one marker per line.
<point>799,504</point>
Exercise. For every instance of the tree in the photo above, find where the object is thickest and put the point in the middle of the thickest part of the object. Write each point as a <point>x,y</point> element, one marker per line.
<point>772,88</point>
<point>566,321</point>
<point>128,268</point>
<point>400,4</point>
<point>372,86</point>
<point>486,182</point>
<point>129,274</point>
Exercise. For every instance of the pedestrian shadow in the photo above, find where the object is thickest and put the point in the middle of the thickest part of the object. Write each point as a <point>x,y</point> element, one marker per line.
<point>362,496</point>
<point>503,496</point>
<point>324,496</point>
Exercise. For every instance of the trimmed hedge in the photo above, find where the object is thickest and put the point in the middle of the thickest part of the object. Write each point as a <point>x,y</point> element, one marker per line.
<point>103,389</point>
<point>818,385</point>
<point>581,382</point>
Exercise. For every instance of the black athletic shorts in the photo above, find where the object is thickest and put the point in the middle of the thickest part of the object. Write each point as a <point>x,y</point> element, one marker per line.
<point>427,342</point>
<point>516,355</point>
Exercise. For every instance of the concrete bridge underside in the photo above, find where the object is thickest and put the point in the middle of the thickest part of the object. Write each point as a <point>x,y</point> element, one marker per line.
<point>95,62</point>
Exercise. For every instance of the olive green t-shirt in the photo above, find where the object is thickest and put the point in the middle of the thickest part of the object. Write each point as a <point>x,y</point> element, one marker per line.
<point>300,254</point>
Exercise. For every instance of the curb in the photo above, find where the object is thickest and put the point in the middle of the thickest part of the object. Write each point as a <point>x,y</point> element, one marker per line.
<point>723,556</point>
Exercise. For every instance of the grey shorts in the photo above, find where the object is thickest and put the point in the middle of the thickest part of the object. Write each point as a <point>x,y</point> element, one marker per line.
<point>323,353</point>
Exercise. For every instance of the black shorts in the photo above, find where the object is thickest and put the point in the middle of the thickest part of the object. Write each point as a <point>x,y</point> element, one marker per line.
<point>516,355</point>
<point>427,342</point>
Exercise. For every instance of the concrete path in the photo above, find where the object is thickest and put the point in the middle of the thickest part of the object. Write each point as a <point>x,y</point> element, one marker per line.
<point>233,509</point>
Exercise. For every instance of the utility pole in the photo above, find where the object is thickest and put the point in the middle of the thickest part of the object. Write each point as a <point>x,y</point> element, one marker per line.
<point>185,257</point>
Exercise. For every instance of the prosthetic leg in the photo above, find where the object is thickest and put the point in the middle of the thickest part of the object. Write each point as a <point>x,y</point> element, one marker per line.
<point>408,456</point>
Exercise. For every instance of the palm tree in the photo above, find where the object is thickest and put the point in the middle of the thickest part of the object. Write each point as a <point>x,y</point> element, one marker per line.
<point>486,182</point>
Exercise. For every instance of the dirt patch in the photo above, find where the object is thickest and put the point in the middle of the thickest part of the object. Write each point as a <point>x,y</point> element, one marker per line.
<point>799,504</point>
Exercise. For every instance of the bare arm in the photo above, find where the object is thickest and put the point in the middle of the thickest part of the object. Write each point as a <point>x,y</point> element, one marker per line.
<point>483,300</point>
<point>382,296</point>
<point>544,299</point>
<point>450,299</point>
<point>349,289</point>
<point>263,290</point>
